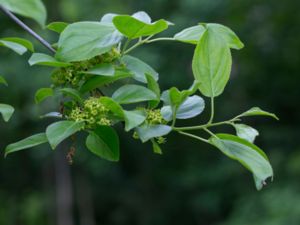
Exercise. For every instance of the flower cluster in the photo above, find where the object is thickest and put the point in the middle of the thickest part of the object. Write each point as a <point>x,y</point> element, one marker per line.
<point>93,113</point>
<point>154,117</point>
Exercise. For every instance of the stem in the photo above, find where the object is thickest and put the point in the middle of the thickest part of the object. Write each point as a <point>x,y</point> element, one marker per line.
<point>161,39</point>
<point>212,110</point>
<point>28,29</point>
<point>140,42</point>
<point>203,126</point>
<point>193,136</point>
<point>211,133</point>
<point>125,45</point>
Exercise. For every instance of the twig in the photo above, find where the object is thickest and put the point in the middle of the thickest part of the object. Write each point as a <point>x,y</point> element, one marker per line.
<point>28,29</point>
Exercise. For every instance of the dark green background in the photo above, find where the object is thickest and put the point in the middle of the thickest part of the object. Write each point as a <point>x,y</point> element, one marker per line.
<point>191,183</point>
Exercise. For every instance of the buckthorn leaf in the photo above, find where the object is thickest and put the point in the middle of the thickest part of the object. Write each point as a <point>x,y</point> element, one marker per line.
<point>6,111</point>
<point>84,40</point>
<point>212,64</point>
<point>27,44</point>
<point>255,111</point>
<point>156,147</point>
<point>108,18</point>
<point>190,35</point>
<point>57,27</point>
<point>153,86</point>
<point>135,27</point>
<point>73,93</point>
<point>16,47</point>
<point>104,142</point>
<point>248,154</point>
<point>246,132</point>
<point>26,143</point>
<point>139,68</point>
<point>46,60</point>
<point>33,9</point>
<point>146,131</point>
<point>134,119</point>
<point>113,106</point>
<point>42,94</point>
<point>132,93</point>
<point>59,131</point>
<point>104,69</point>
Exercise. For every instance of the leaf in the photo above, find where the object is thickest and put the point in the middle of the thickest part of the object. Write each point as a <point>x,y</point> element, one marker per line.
<point>255,111</point>
<point>84,40</point>
<point>42,94</point>
<point>132,93</point>
<point>33,9</point>
<point>99,81</point>
<point>52,115</point>
<point>246,132</point>
<point>26,143</point>
<point>3,81</point>
<point>27,44</point>
<point>57,27</point>
<point>134,119</point>
<point>59,131</point>
<point>18,48</point>
<point>113,106</point>
<point>139,68</point>
<point>73,93</point>
<point>153,86</point>
<point>133,28</point>
<point>248,154</point>
<point>46,60</point>
<point>142,16</point>
<point>227,34</point>
<point>146,132</point>
<point>6,111</point>
<point>108,18</point>
<point>212,64</point>
<point>156,147</point>
<point>190,108</point>
<point>104,142</point>
<point>104,69</point>
<point>190,35</point>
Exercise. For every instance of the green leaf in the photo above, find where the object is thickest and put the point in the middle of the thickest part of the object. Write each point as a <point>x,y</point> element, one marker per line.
<point>142,16</point>
<point>26,143</point>
<point>104,69</point>
<point>190,35</point>
<point>156,147</point>
<point>52,115</point>
<point>246,132</point>
<point>73,93</point>
<point>42,94</point>
<point>146,132</point>
<point>108,18</point>
<point>33,9</point>
<point>227,34</point>
<point>248,154</point>
<point>98,81</point>
<point>190,108</point>
<point>104,142</point>
<point>212,64</point>
<point>134,119</point>
<point>27,44</point>
<point>46,60</point>
<point>6,111</point>
<point>84,40</point>
<point>132,93</point>
<point>255,111</point>
<point>113,106</point>
<point>57,27</point>
<point>18,48</point>
<point>59,131</point>
<point>3,81</point>
<point>133,28</point>
<point>139,68</point>
<point>153,86</point>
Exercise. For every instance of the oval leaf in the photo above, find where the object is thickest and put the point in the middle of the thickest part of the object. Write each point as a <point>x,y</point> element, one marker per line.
<point>190,35</point>
<point>42,94</point>
<point>29,142</point>
<point>6,111</point>
<point>255,111</point>
<point>73,93</point>
<point>248,154</point>
<point>84,40</point>
<point>134,119</point>
<point>133,28</point>
<point>104,142</point>
<point>59,131</point>
<point>27,44</point>
<point>246,132</point>
<point>139,68</point>
<point>212,64</point>
<point>104,69</point>
<point>146,132</point>
<point>46,60</point>
<point>57,27</point>
<point>132,93</point>
<point>16,47</point>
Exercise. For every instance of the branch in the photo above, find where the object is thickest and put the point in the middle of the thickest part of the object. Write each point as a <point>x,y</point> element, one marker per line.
<point>28,29</point>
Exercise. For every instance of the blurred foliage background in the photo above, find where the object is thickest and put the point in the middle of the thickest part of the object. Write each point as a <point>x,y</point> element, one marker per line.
<point>192,183</point>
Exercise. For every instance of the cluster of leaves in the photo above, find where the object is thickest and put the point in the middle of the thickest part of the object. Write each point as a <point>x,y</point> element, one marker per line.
<point>91,56</point>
